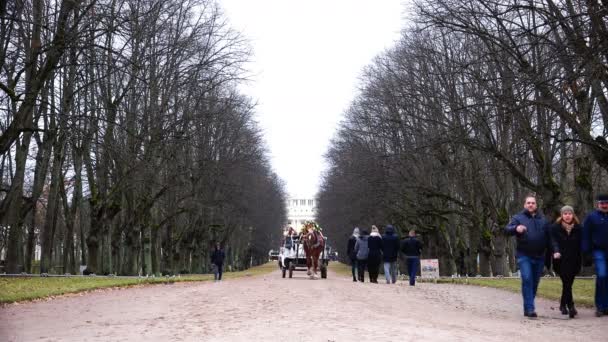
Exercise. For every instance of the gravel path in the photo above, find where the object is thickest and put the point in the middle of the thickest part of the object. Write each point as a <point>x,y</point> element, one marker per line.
<point>269,308</point>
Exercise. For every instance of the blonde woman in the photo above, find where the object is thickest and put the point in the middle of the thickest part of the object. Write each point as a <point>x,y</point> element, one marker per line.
<point>566,236</point>
<point>374,258</point>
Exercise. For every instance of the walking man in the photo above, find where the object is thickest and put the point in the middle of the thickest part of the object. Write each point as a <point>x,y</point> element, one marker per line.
<point>595,245</point>
<point>533,237</point>
<point>390,251</point>
<point>412,247</point>
<point>217,261</point>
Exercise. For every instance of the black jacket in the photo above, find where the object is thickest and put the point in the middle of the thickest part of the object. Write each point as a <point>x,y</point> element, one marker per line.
<point>535,241</point>
<point>411,247</point>
<point>350,248</point>
<point>569,246</point>
<point>390,245</point>
<point>218,257</point>
<point>374,243</point>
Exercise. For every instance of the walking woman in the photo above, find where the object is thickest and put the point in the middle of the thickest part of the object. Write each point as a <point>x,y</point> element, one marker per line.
<point>566,236</point>
<point>350,251</point>
<point>374,258</point>
<point>362,252</point>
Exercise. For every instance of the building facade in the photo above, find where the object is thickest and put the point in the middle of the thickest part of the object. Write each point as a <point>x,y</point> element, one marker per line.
<point>299,210</point>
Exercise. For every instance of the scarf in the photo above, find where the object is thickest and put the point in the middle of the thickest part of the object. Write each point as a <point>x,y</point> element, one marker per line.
<point>567,227</point>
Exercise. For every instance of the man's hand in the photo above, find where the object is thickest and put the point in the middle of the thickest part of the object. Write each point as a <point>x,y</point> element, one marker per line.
<point>521,229</point>
<point>557,255</point>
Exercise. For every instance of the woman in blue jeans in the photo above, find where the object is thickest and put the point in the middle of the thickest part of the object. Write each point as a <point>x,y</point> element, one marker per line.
<point>533,238</point>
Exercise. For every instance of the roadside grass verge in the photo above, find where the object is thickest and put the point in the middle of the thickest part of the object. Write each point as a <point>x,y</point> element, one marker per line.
<point>550,288</point>
<point>16,289</point>
<point>340,268</point>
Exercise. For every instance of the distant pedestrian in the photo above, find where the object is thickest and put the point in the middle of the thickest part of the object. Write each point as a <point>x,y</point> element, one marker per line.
<point>390,252</point>
<point>351,253</point>
<point>362,252</point>
<point>412,248</point>
<point>374,243</point>
<point>217,261</point>
<point>532,233</point>
<point>595,245</point>
<point>566,235</point>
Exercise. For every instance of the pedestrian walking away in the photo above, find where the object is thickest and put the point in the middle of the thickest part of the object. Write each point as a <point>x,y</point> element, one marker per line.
<point>362,252</point>
<point>374,243</point>
<point>595,247</point>
<point>351,253</point>
<point>390,252</point>
<point>566,236</point>
<point>532,233</point>
<point>412,248</point>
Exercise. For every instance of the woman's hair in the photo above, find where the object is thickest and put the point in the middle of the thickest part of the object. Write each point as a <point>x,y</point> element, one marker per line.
<point>375,229</point>
<point>574,219</point>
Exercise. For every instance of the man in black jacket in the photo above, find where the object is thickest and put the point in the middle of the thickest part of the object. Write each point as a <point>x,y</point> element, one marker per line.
<point>412,248</point>
<point>350,251</point>
<point>217,261</point>
<point>533,238</point>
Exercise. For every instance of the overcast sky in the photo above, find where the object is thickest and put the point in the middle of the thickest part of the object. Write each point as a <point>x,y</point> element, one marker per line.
<point>308,56</point>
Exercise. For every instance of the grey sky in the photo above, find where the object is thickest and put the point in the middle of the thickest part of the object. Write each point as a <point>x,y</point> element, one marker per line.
<point>308,56</point>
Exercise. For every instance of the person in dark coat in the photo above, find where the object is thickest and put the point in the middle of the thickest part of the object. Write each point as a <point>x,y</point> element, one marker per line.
<point>374,243</point>
<point>412,248</point>
<point>217,261</point>
<point>362,252</point>
<point>566,237</point>
<point>533,238</point>
<point>595,245</point>
<point>390,252</point>
<point>350,252</point>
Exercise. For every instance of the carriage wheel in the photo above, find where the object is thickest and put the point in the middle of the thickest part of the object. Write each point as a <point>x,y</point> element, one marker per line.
<point>323,272</point>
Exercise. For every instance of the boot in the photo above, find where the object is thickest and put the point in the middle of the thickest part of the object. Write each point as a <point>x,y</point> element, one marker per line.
<point>563,309</point>
<point>572,310</point>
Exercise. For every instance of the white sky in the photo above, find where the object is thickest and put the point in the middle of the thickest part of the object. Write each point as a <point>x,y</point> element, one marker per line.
<point>307,58</point>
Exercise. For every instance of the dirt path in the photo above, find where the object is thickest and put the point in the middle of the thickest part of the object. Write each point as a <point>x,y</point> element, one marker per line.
<point>269,308</point>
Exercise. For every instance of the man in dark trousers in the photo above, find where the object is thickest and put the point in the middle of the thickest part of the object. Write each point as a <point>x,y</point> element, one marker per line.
<point>533,237</point>
<point>595,245</point>
<point>350,252</point>
<point>217,260</point>
<point>390,252</point>
<point>412,247</point>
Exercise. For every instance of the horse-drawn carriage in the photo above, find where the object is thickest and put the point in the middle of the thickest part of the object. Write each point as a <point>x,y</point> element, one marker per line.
<point>304,252</point>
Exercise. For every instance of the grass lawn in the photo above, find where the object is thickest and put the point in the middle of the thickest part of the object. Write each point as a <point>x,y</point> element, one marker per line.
<point>28,288</point>
<point>550,288</point>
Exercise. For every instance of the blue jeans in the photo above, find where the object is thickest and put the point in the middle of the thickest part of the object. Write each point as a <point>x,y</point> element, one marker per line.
<point>390,272</point>
<point>412,268</point>
<point>601,280</point>
<point>530,269</point>
<point>217,271</point>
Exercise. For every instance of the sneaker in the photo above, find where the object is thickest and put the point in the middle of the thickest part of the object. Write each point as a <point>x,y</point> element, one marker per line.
<point>599,313</point>
<point>530,314</point>
<point>563,309</point>
<point>573,311</point>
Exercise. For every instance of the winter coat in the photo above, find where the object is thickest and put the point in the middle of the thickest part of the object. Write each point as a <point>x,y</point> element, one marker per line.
<point>361,248</point>
<point>217,257</point>
<point>390,245</point>
<point>595,232</point>
<point>374,244</point>
<point>536,239</point>
<point>350,248</point>
<point>411,247</point>
<point>569,246</point>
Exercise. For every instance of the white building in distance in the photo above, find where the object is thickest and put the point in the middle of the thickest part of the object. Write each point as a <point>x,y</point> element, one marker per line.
<point>299,210</point>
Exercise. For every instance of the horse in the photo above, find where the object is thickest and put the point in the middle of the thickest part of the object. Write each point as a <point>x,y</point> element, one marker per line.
<point>314,243</point>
